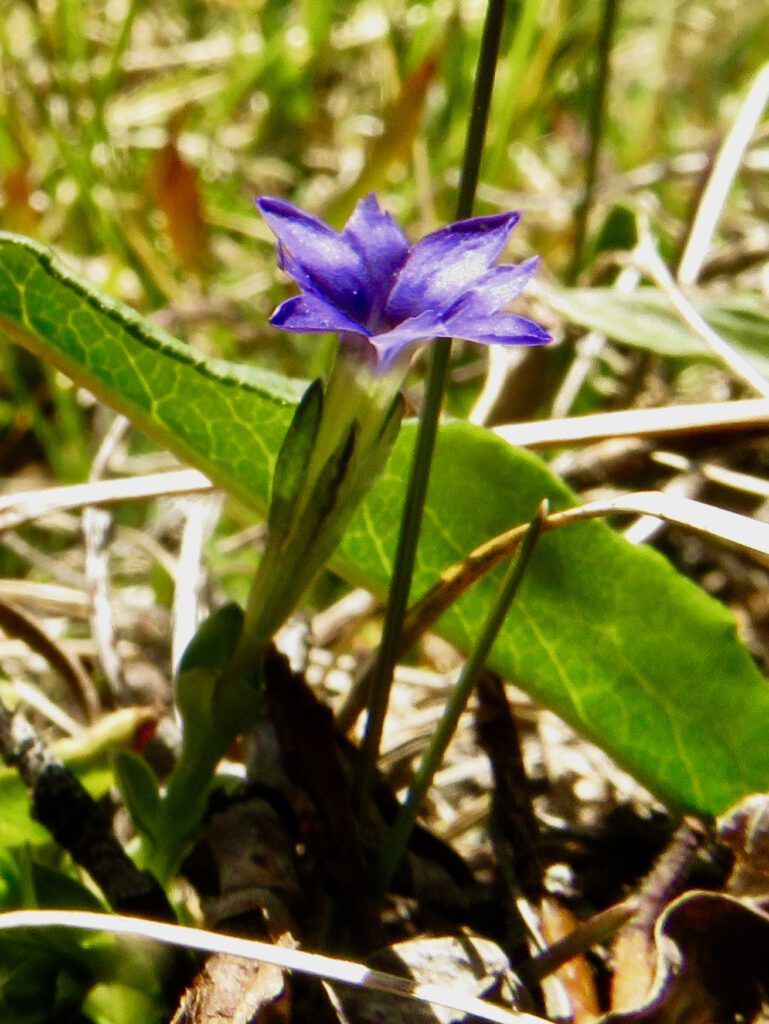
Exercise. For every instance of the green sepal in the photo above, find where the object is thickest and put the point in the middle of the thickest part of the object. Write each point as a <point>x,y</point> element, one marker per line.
<point>365,459</point>
<point>327,494</point>
<point>139,789</point>
<point>379,452</point>
<point>293,460</point>
<point>392,423</point>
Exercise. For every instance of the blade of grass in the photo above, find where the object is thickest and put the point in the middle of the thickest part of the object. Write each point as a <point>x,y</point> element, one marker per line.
<point>509,91</point>
<point>397,839</point>
<point>725,169</point>
<point>745,414</point>
<point>596,122</point>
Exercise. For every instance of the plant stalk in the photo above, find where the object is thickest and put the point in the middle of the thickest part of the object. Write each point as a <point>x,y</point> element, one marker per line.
<point>403,568</point>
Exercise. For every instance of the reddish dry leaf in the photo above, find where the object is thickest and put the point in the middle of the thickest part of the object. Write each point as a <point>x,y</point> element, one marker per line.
<point>175,188</point>
<point>18,213</point>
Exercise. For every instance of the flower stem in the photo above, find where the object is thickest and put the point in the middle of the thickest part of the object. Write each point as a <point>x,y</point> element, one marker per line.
<point>403,568</point>
<point>398,837</point>
<point>479,113</point>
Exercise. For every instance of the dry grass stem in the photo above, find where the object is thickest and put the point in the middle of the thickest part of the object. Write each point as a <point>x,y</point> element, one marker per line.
<point>746,414</point>
<point>326,967</point>
<point>27,506</point>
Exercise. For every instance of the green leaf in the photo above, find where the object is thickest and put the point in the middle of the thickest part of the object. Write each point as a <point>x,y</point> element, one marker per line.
<point>115,1003</point>
<point>212,644</point>
<point>607,635</point>
<point>17,827</point>
<point>226,420</point>
<point>46,974</point>
<point>139,789</point>
<point>208,699</point>
<point>645,319</point>
<point>214,706</point>
<point>54,889</point>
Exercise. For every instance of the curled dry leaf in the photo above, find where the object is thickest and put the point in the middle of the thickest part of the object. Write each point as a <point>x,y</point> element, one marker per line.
<point>712,949</point>
<point>712,963</point>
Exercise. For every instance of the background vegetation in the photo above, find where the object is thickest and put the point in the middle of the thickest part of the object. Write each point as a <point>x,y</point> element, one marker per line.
<point>133,140</point>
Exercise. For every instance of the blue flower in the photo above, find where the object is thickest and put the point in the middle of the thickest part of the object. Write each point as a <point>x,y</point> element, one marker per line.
<point>384,295</point>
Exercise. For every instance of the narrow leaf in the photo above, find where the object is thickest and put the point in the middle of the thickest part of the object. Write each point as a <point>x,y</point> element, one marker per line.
<point>645,319</point>
<point>212,645</point>
<point>139,790</point>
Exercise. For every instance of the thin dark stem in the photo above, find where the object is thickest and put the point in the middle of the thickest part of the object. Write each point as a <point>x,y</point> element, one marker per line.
<point>479,114</point>
<point>397,839</point>
<point>403,568</point>
<point>596,119</point>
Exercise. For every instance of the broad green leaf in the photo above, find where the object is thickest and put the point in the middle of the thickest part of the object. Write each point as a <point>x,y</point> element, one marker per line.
<point>607,635</point>
<point>226,420</point>
<point>646,319</point>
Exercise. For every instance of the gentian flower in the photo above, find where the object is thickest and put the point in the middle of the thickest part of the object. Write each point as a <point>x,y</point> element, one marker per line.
<point>385,296</point>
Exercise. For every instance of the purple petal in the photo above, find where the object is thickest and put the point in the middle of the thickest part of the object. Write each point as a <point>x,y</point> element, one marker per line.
<point>502,329</point>
<point>494,290</point>
<point>417,328</point>
<point>442,266</point>
<point>310,314</point>
<point>289,266</point>
<point>318,258</point>
<point>380,241</point>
